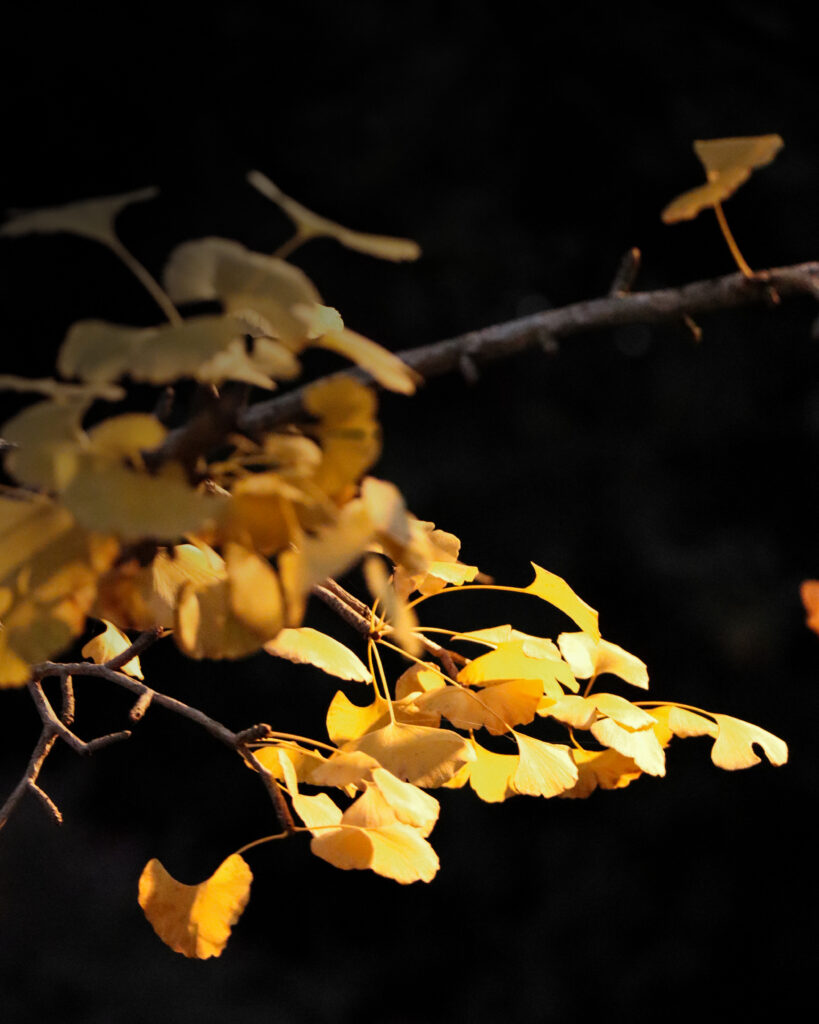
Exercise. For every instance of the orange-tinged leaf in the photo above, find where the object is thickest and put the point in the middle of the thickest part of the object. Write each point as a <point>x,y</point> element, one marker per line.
<point>110,644</point>
<point>728,164</point>
<point>734,746</point>
<point>91,218</point>
<point>306,646</point>
<point>312,225</point>
<point>551,588</point>
<point>675,721</point>
<point>587,657</point>
<point>195,920</point>
<point>420,754</point>
<point>544,769</point>
<point>809,592</point>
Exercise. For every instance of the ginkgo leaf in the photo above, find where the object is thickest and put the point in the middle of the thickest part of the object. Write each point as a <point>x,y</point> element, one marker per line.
<point>544,769</point>
<point>419,754</point>
<point>91,218</point>
<point>438,553</point>
<point>551,588</point>
<point>110,497</point>
<point>620,710</point>
<point>607,769</point>
<point>809,592</point>
<point>497,707</point>
<point>572,710</point>
<point>641,745</point>
<point>418,678</point>
<point>382,365</point>
<point>58,389</point>
<point>491,774</point>
<point>347,722</point>
<point>306,646</point>
<point>261,289</point>
<point>343,768</point>
<point>126,436</point>
<point>410,804</point>
<point>397,612</point>
<point>311,225</point>
<point>109,645</point>
<point>254,592</point>
<point>509,661</point>
<point>734,746</point>
<point>675,721</point>
<point>587,657</point>
<point>347,430</point>
<point>195,920</point>
<point>49,439</point>
<point>728,164</point>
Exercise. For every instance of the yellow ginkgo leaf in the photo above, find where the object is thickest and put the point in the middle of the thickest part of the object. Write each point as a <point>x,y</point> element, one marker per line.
<point>411,805</point>
<point>261,289</point>
<point>49,439</point>
<point>420,754</point>
<point>306,646</point>
<point>91,218</point>
<point>674,721</point>
<point>110,644</point>
<point>382,365</point>
<point>393,608</point>
<point>126,436</point>
<point>734,746</point>
<point>497,707</point>
<point>343,768</point>
<point>195,920</point>
<point>587,657</point>
<point>572,710</point>
<point>347,431</point>
<point>491,774</point>
<point>621,710</point>
<point>728,164</point>
<point>544,769</point>
<point>607,769</point>
<point>254,592</point>
<point>641,745</point>
<point>509,661</point>
<point>311,225</point>
<point>555,590</point>
<point>418,678</point>
<point>109,497</point>
<point>394,851</point>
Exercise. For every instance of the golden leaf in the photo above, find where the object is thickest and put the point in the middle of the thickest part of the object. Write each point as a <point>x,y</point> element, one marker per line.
<point>551,588</point>
<point>411,805</point>
<point>509,661</point>
<point>311,225</point>
<point>418,678</point>
<point>110,644</point>
<point>491,774</point>
<point>91,218</point>
<point>574,711</point>
<point>126,436</point>
<point>734,746</point>
<point>641,745</point>
<point>607,769</point>
<point>306,646</point>
<point>728,164</point>
<point>347,722</point>
<point>809,592</point>
<point>195,920</point>
<point>343,768</point>
<point>674,721</point>
<point>586,658</point>
<point>497,707</point>
<point>419,754</point>
<point>347,430</point>
<point>254,593</point>
<point>544,769</point>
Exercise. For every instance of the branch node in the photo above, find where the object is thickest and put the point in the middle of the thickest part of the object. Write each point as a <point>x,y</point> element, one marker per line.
<point>262,731</point>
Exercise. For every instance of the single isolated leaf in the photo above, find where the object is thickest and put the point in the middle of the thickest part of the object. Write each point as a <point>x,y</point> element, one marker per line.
<point>728,164</point>
<point>311,225</point>
<point>551,588</point>
<point>110,644</point>
<point>195,920</point>
<point>306,646</point>
<point>91,218</point>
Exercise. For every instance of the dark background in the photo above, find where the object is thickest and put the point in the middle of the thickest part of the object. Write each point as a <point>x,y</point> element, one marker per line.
<point>671,483</point>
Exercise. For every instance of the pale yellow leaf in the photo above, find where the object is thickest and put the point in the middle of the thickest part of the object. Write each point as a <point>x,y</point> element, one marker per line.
<point>306,646</point>
<point>607,769</point>
<point>544,769</point>
<point>587,657</point>
<point>311,225</point>
<point>109,645</point>
<point>50,441</point>
<point>382,365</point>
<point>734,746</point>
<point>91,218</point>
<point>419,754</point>
<point>642,746</point>
<point>195,920</point>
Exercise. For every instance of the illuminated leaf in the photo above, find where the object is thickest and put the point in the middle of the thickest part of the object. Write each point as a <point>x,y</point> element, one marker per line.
<point>109,645</point>
<point>311,225</point>
<point>674,721</point>
<point>496,708</point>
<point>306,646</point>
<point>544,769</point>
<point>438,551</point>
<point>557,591</point>
<point>91,218</point>
<point>607,769</point>
<point>734,746</point>
<point>589,658</point>
<point>491,774</point>
<point>809,592</point>
<point>195,920</point>
<point>728,164</point>
<point>397,612</point>
<point>574,711</point>
<point>59,390</point>
<point>419,754</point>
<point>126,436</point>
<point>509,661</point>
<point>411,805</point>
<point>261,289</point>
<point>347,722</point>
<point>382,365</point>
<point>347,430</point>
<point>418,679</point>
<point>343,768</point>
<point>110,497</point>
<point>641,745</point>
<point>621,710</point>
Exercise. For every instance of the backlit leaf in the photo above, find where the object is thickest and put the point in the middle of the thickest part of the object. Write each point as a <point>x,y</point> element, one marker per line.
<point>641,745</point>
<point>544,769</point>
<point>734,746</point>
<point>311,225</point>
<point>195,920</point>
<point>607,769</point>
<point>306,646</point>
<point>491,774</point>
<point>551,588</point>
<point>419,754</point>
<point>382,365</point>
<point>91,218</point>
<point>109,645</point>
<point>587,657</point>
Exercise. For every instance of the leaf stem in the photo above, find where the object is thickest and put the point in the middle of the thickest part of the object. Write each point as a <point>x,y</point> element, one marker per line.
<point>739,259</point>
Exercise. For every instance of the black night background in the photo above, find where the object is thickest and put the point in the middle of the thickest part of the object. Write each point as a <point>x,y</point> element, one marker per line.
<point>671,483</point>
